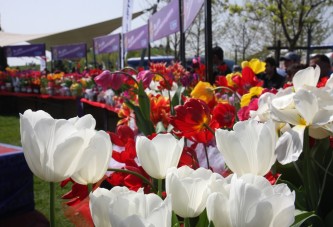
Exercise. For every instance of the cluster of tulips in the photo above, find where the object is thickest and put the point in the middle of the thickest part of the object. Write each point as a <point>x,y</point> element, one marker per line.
<point>196,154</point>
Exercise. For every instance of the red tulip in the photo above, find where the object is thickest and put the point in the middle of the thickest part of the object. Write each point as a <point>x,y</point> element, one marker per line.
<point>224,114</point>
<point>123,133</point>
<point>193,121</point>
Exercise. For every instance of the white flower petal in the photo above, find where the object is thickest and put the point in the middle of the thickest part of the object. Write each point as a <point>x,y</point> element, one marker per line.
<point>308,76</point>
<point>306,104</point>
<point>217,213</point>
<point>85,122</point>
<point>290,116</point>
<point>290,145</point>
<point>95,166</point>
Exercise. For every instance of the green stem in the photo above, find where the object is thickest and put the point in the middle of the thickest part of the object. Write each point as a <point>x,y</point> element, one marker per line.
<point>159,185</point>
<point>135,174</point>
<point>229,89</point>
<point>322,168</point>
<point>129,68</point>
<point>209,129</point>
<point>187,222</point>
<point>237,106</point>
<point>52,204</point>
<point>172,109</point>
<point>90,188</point>
<point>324,182</point>
<point>206,153</point>
<point>128,76</point>
<point>298,171</point>
<point>310,181</point>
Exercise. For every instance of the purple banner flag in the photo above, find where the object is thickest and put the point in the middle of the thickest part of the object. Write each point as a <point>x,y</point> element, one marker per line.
<point>191,9</point>
<point>32,50</point>
<point>106,44</point>
<point>164,22</point>
<point>70,51</point>
<point>137,38</point>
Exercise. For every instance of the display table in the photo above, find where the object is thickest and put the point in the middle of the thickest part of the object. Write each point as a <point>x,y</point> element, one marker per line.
<point>16,182</point>
<point>58,106</point>
<point>12,103</point>
<point>106,116</point>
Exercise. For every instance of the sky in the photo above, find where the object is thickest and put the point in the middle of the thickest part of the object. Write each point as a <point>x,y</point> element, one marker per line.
<point>48,16</point>
<point>45,16</point>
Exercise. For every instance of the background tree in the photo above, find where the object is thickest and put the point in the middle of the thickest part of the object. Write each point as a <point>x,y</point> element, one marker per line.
<point>290,18</point>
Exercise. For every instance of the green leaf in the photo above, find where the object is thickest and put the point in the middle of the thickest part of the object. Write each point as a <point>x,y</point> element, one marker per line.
<point>310,176</point>
<point>307,218</point>
<point>145,126</point>
<point>174,220</point>
<point>203,219</point>
<point>144,102</point>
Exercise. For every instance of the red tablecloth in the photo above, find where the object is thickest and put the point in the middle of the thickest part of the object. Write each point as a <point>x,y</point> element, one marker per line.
<point>99,105</point>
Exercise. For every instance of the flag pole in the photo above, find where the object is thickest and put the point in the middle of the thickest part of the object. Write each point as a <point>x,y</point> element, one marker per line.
<point>208,41</point>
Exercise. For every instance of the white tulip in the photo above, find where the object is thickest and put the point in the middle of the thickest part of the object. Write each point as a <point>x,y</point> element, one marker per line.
<point>56,149</point>
<point>159,154</point>
<point>189,189</point>
<point>252,201</point>
<point>122,207</point>
<point>250,148</point>
<point>313,108</point>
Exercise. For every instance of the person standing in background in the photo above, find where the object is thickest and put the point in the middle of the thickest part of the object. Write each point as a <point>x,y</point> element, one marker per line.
<point>220,68</point>
<point>289,59</point>
<point>271,77</point>
<point>324,64</point>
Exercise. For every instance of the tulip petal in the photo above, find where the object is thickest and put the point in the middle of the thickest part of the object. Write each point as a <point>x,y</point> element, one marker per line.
<point>306,104</point>
<point>31,148</point>
<point>97,161</point>
<point>156,208</point>
<point>217,213</point>
<point>265,151</point>
<point>60,163</point>
<point>290,116</point>
<point>36,116</point>
<point>308,76</point>
<point>283,205</point>
<point>242,198</point>
<point>85,122</point>
<point>290,145</point>
<point>98,203</point>
<point>232,151</point>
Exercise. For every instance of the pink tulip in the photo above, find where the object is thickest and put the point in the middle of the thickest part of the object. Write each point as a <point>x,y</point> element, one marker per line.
<point>146,77</point>
<point>109,80</point>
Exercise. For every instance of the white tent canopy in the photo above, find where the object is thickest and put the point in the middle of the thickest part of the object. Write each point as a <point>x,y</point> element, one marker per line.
<point>78,35</point>
<point>7,39</point>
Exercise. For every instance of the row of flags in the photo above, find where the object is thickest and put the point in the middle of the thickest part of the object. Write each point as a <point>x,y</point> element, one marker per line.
<point>161,24</point>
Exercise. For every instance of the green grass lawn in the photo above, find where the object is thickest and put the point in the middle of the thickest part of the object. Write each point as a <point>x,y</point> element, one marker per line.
<point>10,134</point>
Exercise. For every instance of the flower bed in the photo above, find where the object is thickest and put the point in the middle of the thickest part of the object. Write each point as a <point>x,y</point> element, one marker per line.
<point>189,153</point>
